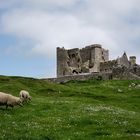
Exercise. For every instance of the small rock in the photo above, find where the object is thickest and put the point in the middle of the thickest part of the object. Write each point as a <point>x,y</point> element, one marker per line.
<point>137,86</point>
<point>133,84</point>
<point>120,91</point>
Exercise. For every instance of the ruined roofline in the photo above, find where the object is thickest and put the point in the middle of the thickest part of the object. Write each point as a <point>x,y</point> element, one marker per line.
<point>62,48</point>
<point>132,57</point>
<point>74,49</point>
<point>105,49</point>
<point>94,46</point>
<point>86,47</point>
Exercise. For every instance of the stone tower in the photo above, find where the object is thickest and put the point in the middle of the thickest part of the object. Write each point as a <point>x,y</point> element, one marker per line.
<point>98,55</point>
<point>62,65</point>
<point>132,60</point>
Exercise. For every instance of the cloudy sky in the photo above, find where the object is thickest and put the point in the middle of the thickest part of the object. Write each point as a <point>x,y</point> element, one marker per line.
<point>30,31</point>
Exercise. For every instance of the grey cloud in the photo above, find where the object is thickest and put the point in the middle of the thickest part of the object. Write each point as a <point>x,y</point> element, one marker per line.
<point>112,23</point>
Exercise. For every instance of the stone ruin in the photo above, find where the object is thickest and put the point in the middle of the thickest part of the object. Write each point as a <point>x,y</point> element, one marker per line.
<point>95,59</point>
<point>76,61</point>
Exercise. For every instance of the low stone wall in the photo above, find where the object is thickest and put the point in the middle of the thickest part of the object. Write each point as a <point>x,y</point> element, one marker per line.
<point>82,77</point>
<point>118,73</point>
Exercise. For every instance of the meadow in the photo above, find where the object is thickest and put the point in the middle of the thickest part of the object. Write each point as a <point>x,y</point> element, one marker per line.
<point>77,110</point>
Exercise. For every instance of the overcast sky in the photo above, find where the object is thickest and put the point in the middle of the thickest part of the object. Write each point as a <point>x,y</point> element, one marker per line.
<point>30,31</point>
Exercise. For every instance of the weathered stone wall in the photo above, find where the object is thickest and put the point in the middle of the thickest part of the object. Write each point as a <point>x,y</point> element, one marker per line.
<point>93,59</point>
<point>120,62</point>
<point>74,58</point>
<point>85,54</point>
<point>62,59</point>
<point>98,59</point>
<point>108,66</point>
<point>80,60</point>
<point>123,61</point>
<point>135,69</point>
<point>117,73</point>
<point>81,77</point>
<point>105,55</point>
<point>124,73</point>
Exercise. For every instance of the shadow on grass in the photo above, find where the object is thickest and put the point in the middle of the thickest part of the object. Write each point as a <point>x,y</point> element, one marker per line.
<point>133,131</point>
<point>100,133</point>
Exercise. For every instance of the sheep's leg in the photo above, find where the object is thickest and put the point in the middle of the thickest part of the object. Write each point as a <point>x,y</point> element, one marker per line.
<point>11,106</point>
<point>6,106</point>
<point>20,104</point>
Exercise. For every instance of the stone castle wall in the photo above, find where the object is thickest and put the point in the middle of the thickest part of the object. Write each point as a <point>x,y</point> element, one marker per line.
<point>125,73</point>
<point>81,77</point>
<point>108,66</point>
<point>85,60</point>
<point>92,62</point>
<point>135,69</point>
<point>117,73</point>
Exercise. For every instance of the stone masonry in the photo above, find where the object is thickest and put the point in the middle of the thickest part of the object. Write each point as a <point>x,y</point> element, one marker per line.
<point>93,61</point>
<point>85,60</point>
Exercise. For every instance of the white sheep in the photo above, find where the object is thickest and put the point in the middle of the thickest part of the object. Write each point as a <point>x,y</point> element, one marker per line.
<point>24,95</point>
<point>9,100</point>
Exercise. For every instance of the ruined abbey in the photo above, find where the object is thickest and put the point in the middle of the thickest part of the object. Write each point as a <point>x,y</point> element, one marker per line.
<point>94,59</point>
<point>86,60</point>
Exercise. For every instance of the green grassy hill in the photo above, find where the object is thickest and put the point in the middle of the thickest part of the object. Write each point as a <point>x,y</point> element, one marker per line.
<point>72,111</point>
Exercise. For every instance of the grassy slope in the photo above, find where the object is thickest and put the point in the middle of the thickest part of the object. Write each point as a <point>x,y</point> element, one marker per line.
<point>73,111</point>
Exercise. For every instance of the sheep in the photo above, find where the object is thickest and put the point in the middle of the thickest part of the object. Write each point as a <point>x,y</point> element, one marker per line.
<point>9,100</point>
<point>24,96</point>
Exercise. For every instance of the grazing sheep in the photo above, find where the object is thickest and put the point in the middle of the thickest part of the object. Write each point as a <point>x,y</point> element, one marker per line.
<point>24,95</point>
<point>9,100</point>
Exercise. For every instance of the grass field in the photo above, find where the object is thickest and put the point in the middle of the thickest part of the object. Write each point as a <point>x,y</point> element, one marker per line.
<point>89,110</point>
